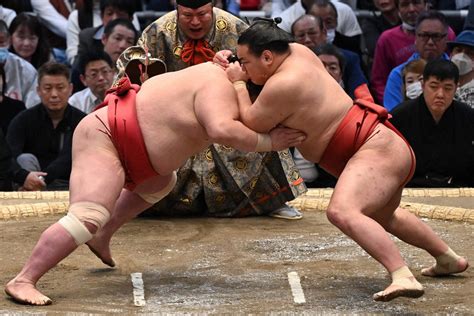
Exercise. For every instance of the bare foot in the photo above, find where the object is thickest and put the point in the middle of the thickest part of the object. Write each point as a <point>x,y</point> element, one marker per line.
<point>407,287</point>
<point>26,293</point>
<point>448,268</point>
<point>102,250</point>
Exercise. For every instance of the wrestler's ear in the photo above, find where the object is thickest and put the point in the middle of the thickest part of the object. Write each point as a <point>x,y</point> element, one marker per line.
<point>267,56</point>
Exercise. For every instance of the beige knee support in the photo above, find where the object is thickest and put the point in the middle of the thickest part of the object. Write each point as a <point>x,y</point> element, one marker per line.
<point>81,212</point>
<point>153,198</point>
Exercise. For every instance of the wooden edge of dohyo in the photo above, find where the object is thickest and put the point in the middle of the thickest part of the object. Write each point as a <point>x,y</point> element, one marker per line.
<point>42,203</point>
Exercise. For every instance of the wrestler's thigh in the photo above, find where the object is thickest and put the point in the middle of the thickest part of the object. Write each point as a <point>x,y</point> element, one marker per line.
<point>97,174</point>
<point>372,179</point>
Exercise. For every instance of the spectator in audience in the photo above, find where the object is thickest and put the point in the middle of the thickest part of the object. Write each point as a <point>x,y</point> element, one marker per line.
<point>430,44</point>
<point>278,6</point>
<point>97,74</point>
<point>28,40</point>
<point>396,45</point>
<point>412,76</point>
<point>5,164</point>
<point>96,14</point>
<point>462,55</point>
<point>372,26</point>
<point>40,138</point>
<point>326,11</point>
<point>439,129</point>
<point>469,23</point>
<point>209,183</point>
<point>347,23</point>
<point>232,6</point>
<point>7,15</point>
<point>53,15</point>
<point>20,74</point>
<point>118,35</point>
<point>310,31</point>
<point>9,107</point>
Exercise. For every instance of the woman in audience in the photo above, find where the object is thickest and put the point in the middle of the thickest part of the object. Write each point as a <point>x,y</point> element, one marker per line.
<point>412,75</point>
<point>28,40</point>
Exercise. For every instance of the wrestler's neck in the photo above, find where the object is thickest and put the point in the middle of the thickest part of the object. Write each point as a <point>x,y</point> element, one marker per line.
<point>278,62</point>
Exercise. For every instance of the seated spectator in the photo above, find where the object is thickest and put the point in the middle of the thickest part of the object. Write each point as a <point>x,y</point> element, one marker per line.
<point>20,74</point>
<point>278,6</point>
<point>412,76</point>
<point>7,15</point>
<point>97,74</point>
<point>54,15</point>
<point>439,129</point>
<point>326,11</point>
<point>379,21</point>
<point>119,34</point>
<point>9,108</point>
<point>396,45</point>
<point>40,138</point>
<point>95,14</point>
<point>5,165</point>
<point>231,6</point>
<point>310,31</point>
<point>28,40</point>
<point>347,23</point>
<point>430,44</point>
<point>462,55</point>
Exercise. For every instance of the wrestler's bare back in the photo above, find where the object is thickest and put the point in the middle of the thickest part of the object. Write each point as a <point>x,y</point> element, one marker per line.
<point>317,101</point>
<point>168,111</point>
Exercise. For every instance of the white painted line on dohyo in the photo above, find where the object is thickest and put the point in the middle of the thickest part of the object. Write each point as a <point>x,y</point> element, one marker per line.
<point>138,289</point>
<point>296,290</point>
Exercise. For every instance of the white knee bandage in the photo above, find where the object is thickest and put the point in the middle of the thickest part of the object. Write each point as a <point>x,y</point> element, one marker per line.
<point>80,213</point>
<point>78,231</point>
<point>153,198</point>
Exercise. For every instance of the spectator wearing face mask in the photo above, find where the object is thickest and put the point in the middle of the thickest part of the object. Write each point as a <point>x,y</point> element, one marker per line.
<point>412,76</point>
<point>462,55</point>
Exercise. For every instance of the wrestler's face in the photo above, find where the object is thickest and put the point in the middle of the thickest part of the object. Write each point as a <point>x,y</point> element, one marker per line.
<point>431,39</point>
<point>438,95</point>
<point>119,40</point>
<point>331,63</point>
<point>54,92</point>
<point>195,23</point>
<point>256,67</point>
<point>98,77</point>
<point>308,33</point>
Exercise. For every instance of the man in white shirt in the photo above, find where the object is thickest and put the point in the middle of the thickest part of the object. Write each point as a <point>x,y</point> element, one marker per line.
<point>97,75</point>
<point>7,15</point>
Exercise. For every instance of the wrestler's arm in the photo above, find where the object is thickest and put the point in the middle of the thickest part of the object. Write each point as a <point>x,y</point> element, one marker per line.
<point>272,106</point>
<point>218,113</point>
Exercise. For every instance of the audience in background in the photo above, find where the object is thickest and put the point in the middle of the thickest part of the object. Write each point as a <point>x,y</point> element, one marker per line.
<point>7,15</point>
<point>96,13</point>
<point>412,77</point>
<point>40,138</point>
<point>379,21</point>
<point>462,55</point>
<point>430,44</point>
<point>5,164</point>
<point>9,107</point>
<point>97,74</point>
<point>309,30</point>
<point>439,129</point>
<point>20,74</point>
<point>327,12</point>
<point>28,40</point>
